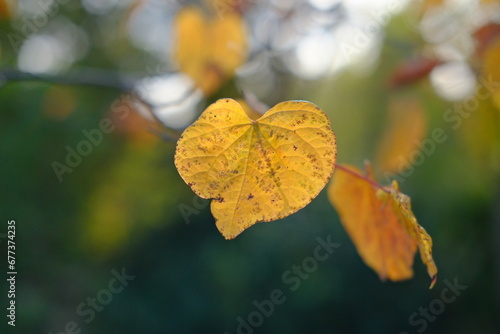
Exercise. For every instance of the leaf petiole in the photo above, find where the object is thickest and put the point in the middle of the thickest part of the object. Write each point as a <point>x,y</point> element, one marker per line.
<point>363,177</point>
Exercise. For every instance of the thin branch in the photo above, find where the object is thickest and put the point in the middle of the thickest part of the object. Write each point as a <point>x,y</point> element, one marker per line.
<point>98,78</point>
<point>81,77</point>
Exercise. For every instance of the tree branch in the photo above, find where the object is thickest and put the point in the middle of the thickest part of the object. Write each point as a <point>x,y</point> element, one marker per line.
<point>81,77</point>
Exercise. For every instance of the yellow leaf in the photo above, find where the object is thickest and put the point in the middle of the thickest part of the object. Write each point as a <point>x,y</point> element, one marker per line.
<point>406,129</point>
<point>481,137</point>
<point>191,42</point>
<point>381,240</point>
<point>209,51</point>
<point>381,224</point>
<point>401,205</point>
<point>259,170</point>
<point>496,98</point>
<point>229,43</point>
<point>491,68</point>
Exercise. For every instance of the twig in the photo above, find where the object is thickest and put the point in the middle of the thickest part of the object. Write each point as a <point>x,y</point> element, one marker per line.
<point>82,77</point>
<point>97,78</point>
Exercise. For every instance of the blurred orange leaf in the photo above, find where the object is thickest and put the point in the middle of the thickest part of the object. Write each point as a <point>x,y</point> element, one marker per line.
<point>59,102</point>
<point>411,71</point>
<point>209,50</point>
<point>485,35</point>
<point>5,9</point>
<point>129,117</point>
<point>380,223</point>
<point>403,134</point>
<point>259,170</point>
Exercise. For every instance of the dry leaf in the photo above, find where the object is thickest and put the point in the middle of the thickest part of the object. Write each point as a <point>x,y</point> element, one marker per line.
<point>380,223</point>
<point>259,170</point>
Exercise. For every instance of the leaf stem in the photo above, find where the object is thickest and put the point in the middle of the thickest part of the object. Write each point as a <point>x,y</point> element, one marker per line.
<point>362,177</point>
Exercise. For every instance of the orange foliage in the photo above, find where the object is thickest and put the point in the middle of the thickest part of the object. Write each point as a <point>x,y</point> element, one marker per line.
<point>380,223</point>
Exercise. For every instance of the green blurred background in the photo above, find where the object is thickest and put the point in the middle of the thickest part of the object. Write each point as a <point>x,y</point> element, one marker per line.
<point>125,206</point>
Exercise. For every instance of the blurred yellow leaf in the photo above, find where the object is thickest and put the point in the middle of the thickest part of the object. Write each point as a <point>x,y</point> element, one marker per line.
<point>380,223</point>
<point>209,50</point>
<point>481,136</point>
<point>491,68</point>
<point>259,170</point>
<point>496,98</point>
<point>229,43</point>
<point>403,135</point>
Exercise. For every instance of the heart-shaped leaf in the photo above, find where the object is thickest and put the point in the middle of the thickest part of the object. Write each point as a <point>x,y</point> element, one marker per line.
<point>259,170</point>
